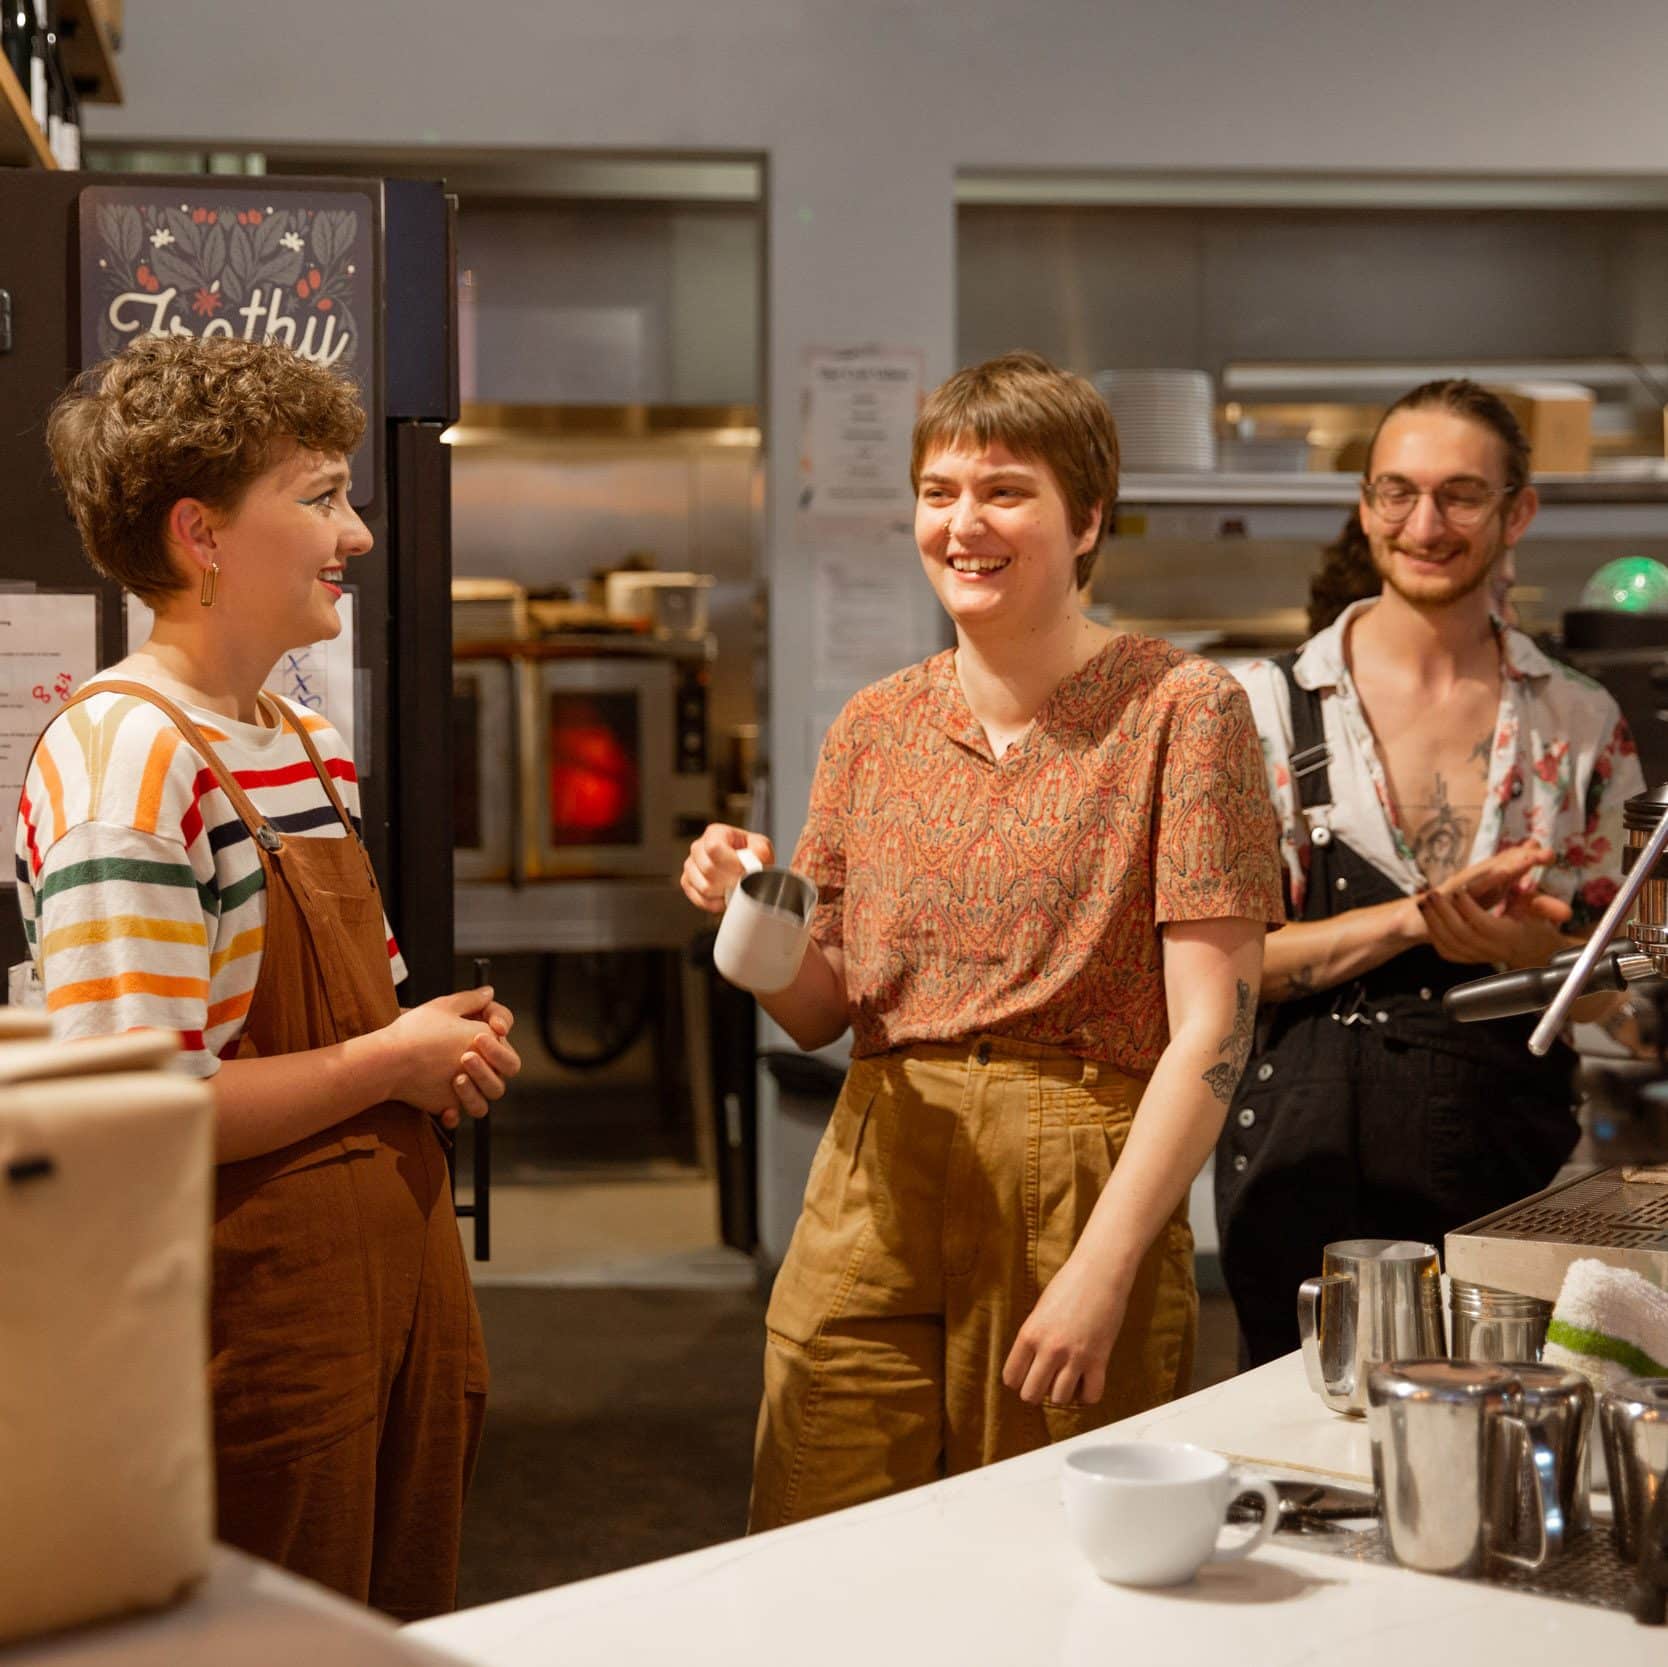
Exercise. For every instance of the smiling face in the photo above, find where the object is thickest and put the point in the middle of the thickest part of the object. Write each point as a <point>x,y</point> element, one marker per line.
<point>289,543</point>
<point>1425,559</point>
<point>283,551</point>
<point>995,538</point>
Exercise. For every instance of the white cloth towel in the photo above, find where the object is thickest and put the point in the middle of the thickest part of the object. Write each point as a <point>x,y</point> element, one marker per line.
<point>1608,1324</point>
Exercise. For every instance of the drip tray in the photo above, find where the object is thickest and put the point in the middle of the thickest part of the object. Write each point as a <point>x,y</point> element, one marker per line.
<point>1591,1570</point>
<point>1528,1246</point>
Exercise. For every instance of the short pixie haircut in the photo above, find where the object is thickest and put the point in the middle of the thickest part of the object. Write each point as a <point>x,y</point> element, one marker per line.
<point>1040,413</point>
<point>174,417</point>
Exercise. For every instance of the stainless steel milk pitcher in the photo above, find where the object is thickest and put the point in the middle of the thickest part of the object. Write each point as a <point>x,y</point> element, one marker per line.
<point>1633,1419</point>
<point>1463,1478</point>
<point>1375,1300</point>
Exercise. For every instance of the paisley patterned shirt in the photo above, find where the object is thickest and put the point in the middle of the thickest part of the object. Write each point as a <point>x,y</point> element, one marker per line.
<point>1561,767</point>
<point>1022,896</point>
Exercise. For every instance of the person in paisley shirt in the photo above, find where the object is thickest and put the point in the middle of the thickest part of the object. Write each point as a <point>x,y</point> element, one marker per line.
<point>1046,861</point>
<point>1450,800</point>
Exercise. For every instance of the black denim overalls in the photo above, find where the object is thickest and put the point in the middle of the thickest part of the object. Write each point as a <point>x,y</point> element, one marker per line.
<point>1364,1111</point>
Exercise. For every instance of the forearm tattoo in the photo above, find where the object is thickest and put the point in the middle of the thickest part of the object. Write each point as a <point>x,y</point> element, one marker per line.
<point>1299,982</point>
<point>1224,1078</point>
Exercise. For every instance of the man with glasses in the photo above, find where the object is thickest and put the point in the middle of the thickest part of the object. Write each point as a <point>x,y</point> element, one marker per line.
<point>1450,802</point>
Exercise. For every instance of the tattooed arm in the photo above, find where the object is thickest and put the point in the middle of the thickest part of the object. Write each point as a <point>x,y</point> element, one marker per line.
<point>1311,955</point>
<point>1211,972</point>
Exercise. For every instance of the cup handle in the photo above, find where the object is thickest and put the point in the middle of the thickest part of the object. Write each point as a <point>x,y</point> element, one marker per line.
<point>750,864</point>
<point>1532,1456</point>
<point>1308,1330</point>
<point>1242,1486</point>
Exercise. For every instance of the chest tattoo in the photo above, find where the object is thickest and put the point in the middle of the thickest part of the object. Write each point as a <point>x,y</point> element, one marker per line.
<point>1441,840</point>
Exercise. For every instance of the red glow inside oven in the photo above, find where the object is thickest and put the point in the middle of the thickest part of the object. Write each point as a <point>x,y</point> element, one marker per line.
<point>595,785</point>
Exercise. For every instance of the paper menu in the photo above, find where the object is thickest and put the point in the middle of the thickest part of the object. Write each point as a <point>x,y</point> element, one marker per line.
<point>859,410</point>
<point>48,649</point>
<point>320,677</point>
<point>862,614</point>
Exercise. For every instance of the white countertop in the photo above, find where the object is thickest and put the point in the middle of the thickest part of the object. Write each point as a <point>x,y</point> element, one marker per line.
<point>978,1569</point>
<point>245,1614</point>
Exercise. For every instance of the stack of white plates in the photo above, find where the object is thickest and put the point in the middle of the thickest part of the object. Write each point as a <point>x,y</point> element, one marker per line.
<point>488,610</point>
<point>1165,418</point>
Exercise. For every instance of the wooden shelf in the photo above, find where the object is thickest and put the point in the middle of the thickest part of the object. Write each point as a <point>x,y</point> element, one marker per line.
<point>21,142</point>
<point>89,53</point>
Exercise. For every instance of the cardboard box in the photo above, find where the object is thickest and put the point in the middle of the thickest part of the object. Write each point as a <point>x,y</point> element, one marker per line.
<point>1557,419</point>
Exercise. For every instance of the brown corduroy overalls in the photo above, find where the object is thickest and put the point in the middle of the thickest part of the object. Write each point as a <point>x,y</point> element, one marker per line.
<point>347,1368</point>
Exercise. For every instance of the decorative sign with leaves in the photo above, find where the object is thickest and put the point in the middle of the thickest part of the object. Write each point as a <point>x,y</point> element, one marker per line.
<point>261,264</point>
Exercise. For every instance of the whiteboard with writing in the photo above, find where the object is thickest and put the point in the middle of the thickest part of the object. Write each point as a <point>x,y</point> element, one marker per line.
<point>48,649</point>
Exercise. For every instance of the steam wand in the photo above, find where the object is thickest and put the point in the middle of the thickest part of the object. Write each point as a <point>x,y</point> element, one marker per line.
<point>1552,1020</point>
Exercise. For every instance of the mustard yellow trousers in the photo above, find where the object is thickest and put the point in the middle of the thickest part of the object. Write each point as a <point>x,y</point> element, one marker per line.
<point>950,1187</point>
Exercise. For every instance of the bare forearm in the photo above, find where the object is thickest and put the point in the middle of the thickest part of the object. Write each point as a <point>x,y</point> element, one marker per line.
<point>1313,955</point>
<point>813,1009</point>
<point>265,1104</point>
<point>1179,1119</point>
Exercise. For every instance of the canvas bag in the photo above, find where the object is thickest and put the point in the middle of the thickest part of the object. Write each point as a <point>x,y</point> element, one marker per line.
<point>106,1196</point>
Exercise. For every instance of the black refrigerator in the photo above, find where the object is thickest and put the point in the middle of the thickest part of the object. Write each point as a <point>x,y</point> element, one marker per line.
<point>359,273</point>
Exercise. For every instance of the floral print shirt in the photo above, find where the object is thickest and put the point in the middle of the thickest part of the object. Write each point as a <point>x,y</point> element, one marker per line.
<point>1022,896</point>
<point>1562,766</point>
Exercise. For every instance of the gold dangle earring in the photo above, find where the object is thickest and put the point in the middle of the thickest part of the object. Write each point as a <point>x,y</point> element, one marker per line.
<point>211,577</point>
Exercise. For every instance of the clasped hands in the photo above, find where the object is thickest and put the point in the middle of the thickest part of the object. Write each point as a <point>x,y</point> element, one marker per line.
<point>452,1055</point>
<point>1494,913</point>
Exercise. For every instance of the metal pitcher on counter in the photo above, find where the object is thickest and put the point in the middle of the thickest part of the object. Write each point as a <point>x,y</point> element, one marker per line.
<point>1466,1471</point>
<point>1375,1300</point>
<point>1633,1419</point>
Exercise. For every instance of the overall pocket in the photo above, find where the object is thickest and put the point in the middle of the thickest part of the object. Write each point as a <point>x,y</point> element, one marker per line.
<point>293,1364</point>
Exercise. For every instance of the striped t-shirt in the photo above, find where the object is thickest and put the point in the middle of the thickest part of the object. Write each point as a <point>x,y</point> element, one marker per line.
<point>142,895</point>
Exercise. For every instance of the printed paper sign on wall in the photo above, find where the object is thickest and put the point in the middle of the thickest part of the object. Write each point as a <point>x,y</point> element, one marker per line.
<point>259,264</point>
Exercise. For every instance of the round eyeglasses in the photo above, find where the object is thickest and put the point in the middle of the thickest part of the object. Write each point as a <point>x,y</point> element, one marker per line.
<point>1461,503</point>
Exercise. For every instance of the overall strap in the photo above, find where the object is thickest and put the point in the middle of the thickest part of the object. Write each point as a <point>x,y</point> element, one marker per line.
<point>284,717</point>
<point>1310,755</point>
<point>266,837</point>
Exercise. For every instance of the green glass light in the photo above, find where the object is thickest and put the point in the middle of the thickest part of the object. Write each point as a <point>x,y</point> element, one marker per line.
<point>1629,585</point>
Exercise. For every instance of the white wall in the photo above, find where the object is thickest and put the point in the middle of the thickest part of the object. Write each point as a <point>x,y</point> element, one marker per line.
<point>674,289</point>
<point>865,108</point>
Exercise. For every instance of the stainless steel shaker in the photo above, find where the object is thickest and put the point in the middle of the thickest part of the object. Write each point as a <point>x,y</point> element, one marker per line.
<point>1633,1419</point>
<point>1453,1455</point>
<point>1375,1300</point>
<point>1488,1324</point>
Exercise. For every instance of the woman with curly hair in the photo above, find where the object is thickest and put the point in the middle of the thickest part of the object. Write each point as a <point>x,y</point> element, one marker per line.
<point>188,857</point>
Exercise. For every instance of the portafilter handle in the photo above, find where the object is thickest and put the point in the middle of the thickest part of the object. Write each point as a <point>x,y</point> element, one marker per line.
<point>1552,1020</point>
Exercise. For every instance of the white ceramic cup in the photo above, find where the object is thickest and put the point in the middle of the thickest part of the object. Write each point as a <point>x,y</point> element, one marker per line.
<point>1149,1513</point>
<point>766,927</point>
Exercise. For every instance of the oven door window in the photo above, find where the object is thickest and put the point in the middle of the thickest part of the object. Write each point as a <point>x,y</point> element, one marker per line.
<point>595,756</point>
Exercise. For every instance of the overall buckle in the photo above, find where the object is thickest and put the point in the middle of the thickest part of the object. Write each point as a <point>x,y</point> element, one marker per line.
<point>1310,759</point>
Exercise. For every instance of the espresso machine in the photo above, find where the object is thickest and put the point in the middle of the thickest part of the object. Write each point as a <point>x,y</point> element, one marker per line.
<point>1618,1213</point>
